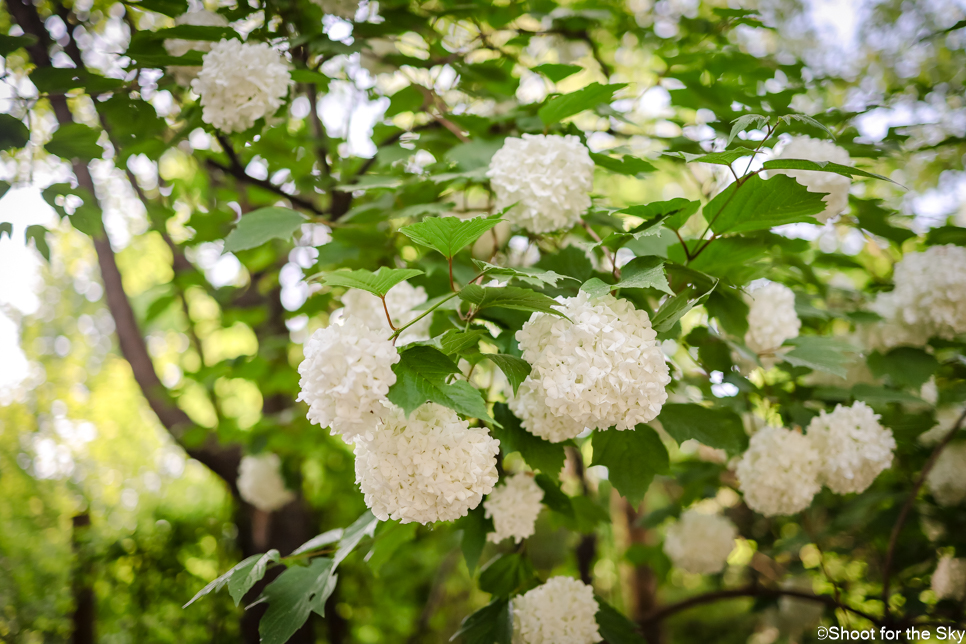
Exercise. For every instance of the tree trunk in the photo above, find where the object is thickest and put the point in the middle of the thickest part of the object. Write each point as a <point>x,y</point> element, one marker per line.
<point>84,606</point>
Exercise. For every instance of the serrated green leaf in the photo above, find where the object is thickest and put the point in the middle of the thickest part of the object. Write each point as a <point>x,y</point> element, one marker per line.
<point>247,575</point>
<point>674,213</point>
<point>556,72</point>
<point>821,166</point>
<point>319,541</point>
<point>644,272</point>
<point>539,454</point>
<point>492,624</point>
<point>504,574</point>
<point>259,226</point>
<point>449,235</point>
<point>676,307</point>
<point>532,276</point>
<point>475,527</point>
<point>626,165</point>
<point>378,283</point>
<point>904,366</point>
<point>788,118</point>
<point>596,287</point>
<point>614,627</point>
<point>831,355</point>
<point>455,341</point>
<point>616,241</point>
<point>362,527</point>
<point>717,158</point>
<point>389,539</point>
<point>75,141</point>
<point>292,596</point>
<point>558,108</point>
<point>13,132</point>
<point>508,297</point>
<point>632,459</point>
<point>744,122</point>
<point>719,428</point>
<point>219,582</point>
<point>515,369</point>
<point>421,375</point>
<point>761,205</point>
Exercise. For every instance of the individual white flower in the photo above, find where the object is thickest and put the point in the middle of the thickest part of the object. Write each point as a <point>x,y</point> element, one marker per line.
<point>561,611</point>
<point>528,405</point>
<point>183,74</point>
<point>700,543</point>
<point>949,579</point>
<point>240,83</point>
<point>429,467</point>
<point>602,367</point>
<point>549,177</point>
<point>771,320</point>
<point>400,300</point>
<point>778,474</point>
<point>853,446</point>
<point>345,9</point>
<point>260,482</point>
<point>346,373</point>
<point>929,298</point>
<point>513,507</point>
<point>947,478</point>
<point>837,186</point>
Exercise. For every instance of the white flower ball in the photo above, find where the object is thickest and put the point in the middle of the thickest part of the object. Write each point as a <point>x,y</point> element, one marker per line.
<point>528,405</point>
<point>240,83</point>
<point>949,579</point>
<point>947,478</point>
<point>771,320</point>
<point>853,446</point>
<point>549,177</point>
<point>946,419</point>
<point>602,367</point>
<point>260,482</point>
<point>837,186</point>
<point>700,543</point>
<point>561,611</point>
<point>183,74</point>
<point>400,300</point>
<point>345,9</point>
<point>514,507</point>
<point>429,467</point>
<point>346,373</point>
<point>778,474</point>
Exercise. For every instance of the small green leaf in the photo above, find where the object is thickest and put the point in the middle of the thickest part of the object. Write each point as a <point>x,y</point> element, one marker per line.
<point>6,228</point>
<point>644,272</point>
<point>717,158</point>
<point>219,582</point>
<point>388,541</point>
<point>57,80</point>
<point>10,44</point>
<point>197,32</point>
<point>719,428</point>
<point>38,234</point>
<point>558,108</point>
<point>788,118</point>
<point>904,366</point>
<point>259,226</point>
<point>455,342</point>
<point>170,8</point>
<point>616,241</point>
<point>362,527</point>
<point>515,369</point>
<point>408,99</point>
<point>421,375</point>
<point>505,574</point>
<point>319,541</point>
<point>556,72</point>
<point>247,575</point>
<point>532,276</point>
<point>632,459</point>
<point>75,141</point>
<point>596,287</point>
<point>492,624</point>
<point>627,165</point>
<point>553,497</point>
<point>831,355</point>
<point>673,213</point>
<point>13,132</point>
<point>475,527</point>
<point>614,627</point>
<point>449,235</point>
<point>821,166</point>
<point>744,122</point>
<point>508,297</point>
<point>378,283</point>
<point>876,395</point>
<point>310,77</point>
<point>292,596</point>
<point>539,454</point>
<point>675,307</point>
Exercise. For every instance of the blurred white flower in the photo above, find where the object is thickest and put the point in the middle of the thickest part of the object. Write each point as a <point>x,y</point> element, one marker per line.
<point>400,300</point>
<point>837,186</point>
<point>949,579</point>
<point>345,9</point>
<point>260,482</point>
<point>699,542</point>
<point>853,446</point>
<point>778,474</point>
<point>771,320</point>
<point>561,611</point>
<point>513,507</point>
<point>947,478</point>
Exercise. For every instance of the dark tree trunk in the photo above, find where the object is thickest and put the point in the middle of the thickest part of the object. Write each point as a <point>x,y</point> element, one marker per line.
<point>84,607</point>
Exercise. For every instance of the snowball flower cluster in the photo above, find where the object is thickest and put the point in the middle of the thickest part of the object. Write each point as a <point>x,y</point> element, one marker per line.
<point>514,508</point>
<point>240,83</point>
<point>778,474</point>
<point>947,478</point>
<point>346,373</point>
<point>183,74</point>
<point>949,579</point>
<point>549,177</point>
<point>930,295</point>
<point>400,300</point>
<point>837,186</point>
<point>260,482</point>
<point>602,367</point>
<point>561,611</point>
<point>528,405</point>
<point>854,447</point>
<point>345,9</point>
<point>700,543</point>
<point>429,467</point>
<point>771,320</point>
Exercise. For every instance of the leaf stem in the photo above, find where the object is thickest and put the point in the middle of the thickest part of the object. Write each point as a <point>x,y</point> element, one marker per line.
<point>452,286</point>
<point>386,309</point>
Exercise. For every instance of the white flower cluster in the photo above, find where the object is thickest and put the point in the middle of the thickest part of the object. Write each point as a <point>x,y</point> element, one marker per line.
<point>260,482</point>
<point>400,300</point>
<point>600,368</point>
<point>929,298</point>
<point>854,447</point>
<point>183,74</point>
<point>240,83</point>
<point>561,611</point>
<point>429,467</point>
<point>778,474</point>
<point>949,579</point>
<point>528,405</point>
<point>549,177</point>
<point>346,373</point>
<point>771,320</point>
<point>345,9</point>
<point>514,507</point>
<point>947,478</point>
<point>837,186</point>
<point>700,543</point>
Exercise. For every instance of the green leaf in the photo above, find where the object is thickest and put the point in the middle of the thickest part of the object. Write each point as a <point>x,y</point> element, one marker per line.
<point>4,187</point>
<point>831,355</point>
<point>615,241</point>
<point>539,454</point>
<point>10,44</point>
<point>475,527</point>
<point>455,341</point>
<point>388,541</point>
<point>788,118</point>
<point>197,32</point>
<point>875,219</point>
<point>904,366</point>
<point>821,166</point>
<point>13,132</point>
<point>408,99</point>
<point>614,627</point>
<point>87,219</point>
<point>532,276</point>
<point>170,8</point>
<point>504,574</point>
<point>319,541</point>
<point>760,205</point>
<point>596,287</point>
<point>449,235</point>
<point>310,77</point>
<point>364,526</point>
<point>744,122</point>
<point>75,141</point>
<point>553,497</point>
<point>644,272</point>
<point>632,459</point>
<point>717,158</point>
<point>492,624</point>
<point>676,307</point>
<point>259,226</point>
<point>730,310</point>
<point>627,165</point>
<point>57,80</point>
<point>587,515</point>
<point>515,369</point>
<point>508,297</point>
<point>38,234</point>
<point>245,576</point>
<point>6,228</point>
<point>292,596</point>
<point>556,72</point>
<point>558,108</point>
<point>673,213</point>
<point>378,283</point>
<point>219,582</point>
<point>876,395</point>
<point>720,428</point>
<point>944,235</point>
<point>421,375</point>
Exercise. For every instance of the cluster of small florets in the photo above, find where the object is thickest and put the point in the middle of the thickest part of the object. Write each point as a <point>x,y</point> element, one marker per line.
<point>260,482</point>
<point>949,579</point>
<point>240,83</point>
<point>429,467</point>
<point>400,301</point>
<point>778,474</point>
<point>549,177</point>
<point>346,373</point>
<point>600,367</point>
<point>561,611</point>
<point>929,298</point>
<point>699,542</point>
<point>837,186</point>
<point>771,320</point>
<point>529,405</point>
<point>947,478</point>
<point>345,9</point>
<point>514,507</point>
<point>183,74</point>
<point>855,448</point>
